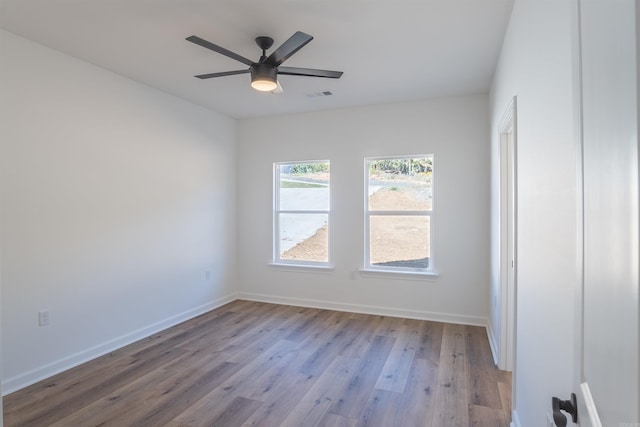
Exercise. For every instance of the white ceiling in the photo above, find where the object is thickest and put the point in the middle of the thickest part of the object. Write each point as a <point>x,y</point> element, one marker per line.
<point>389,50</point>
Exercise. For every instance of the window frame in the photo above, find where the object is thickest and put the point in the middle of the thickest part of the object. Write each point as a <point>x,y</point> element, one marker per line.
<point>277,212</point>
<point>372,268</point>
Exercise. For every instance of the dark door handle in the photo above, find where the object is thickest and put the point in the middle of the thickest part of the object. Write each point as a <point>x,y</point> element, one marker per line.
<point>569,406</point>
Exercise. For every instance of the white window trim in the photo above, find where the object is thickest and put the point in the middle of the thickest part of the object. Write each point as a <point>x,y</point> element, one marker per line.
<point>407,275</point>
<point>386,270</point>
<point>276,260</point>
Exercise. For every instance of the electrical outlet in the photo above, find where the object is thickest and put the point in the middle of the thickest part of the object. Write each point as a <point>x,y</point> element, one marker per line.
<point>207,275</point>
<point>43,318</point>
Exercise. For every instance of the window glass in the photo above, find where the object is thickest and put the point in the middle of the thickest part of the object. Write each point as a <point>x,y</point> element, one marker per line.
<point>399,241</point>
<point>398,209</point>
<point>304,237</point>
<point>400,184</point>
<point>301,212</point>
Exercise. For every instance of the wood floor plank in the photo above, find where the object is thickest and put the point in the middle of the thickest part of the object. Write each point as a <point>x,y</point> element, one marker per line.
<point>176,397</point>
<point>283,391</point>
<point>430,341</point>
<point>390,326</point>
<point>232,414</point>
<point>482,375</point>
<point>316,402</point>
<point>229,329</point>
<point>397,366</point>
<point>255,364</point>
<point>414,407</point>
<point>58,388</point>
<point>323,327</point>
<point>328,344</point>
<point>355,394</point>
<point>276,377</point>
<point>333,420</point>
<point>262,340</point>
<point>366,331</point>
<point>310,325</point>
<point>267,330</point>
<point>379,409</point>
<point>236,413</point>
<point>451,407</point>
<point>74,400</point>
<point>482,416</point>
<point>504,389</point>
<point>241,383</point>
<point>123,401</point>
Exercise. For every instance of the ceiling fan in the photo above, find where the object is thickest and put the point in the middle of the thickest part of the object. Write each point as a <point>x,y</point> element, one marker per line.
<point>264,73</point>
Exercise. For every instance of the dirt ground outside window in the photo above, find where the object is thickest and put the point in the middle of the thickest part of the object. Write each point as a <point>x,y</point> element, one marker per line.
<point>394,241</point>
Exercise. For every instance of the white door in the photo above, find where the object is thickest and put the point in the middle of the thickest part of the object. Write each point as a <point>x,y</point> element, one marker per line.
<point>607,374</point>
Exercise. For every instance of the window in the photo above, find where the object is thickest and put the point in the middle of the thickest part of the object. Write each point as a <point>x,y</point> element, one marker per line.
<point>399,208</point>
<point>301,213</point>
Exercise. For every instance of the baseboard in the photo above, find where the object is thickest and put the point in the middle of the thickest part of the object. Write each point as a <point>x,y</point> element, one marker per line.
<point>493,345</point>
<point>23,380</point>
<point>368,309</point>
<point>515,419</point>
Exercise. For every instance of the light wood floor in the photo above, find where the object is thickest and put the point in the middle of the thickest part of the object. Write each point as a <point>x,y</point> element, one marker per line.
<point>250,363</point>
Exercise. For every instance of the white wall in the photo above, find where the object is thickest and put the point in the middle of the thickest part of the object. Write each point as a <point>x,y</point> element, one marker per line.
<point>536,65</point>
<point>609,327</point>
<point>455,130</point>
<point>116,199</point>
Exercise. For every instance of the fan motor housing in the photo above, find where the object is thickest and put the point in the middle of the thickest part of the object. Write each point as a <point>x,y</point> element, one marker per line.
<point>264,72</point>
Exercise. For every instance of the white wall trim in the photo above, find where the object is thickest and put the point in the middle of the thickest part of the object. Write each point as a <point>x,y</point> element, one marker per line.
<point>492,343</point>
<point>508,218</point>
<point>592,411</point>
<point>368,309</point>
<point>515,419</point>
<point>23,380</point>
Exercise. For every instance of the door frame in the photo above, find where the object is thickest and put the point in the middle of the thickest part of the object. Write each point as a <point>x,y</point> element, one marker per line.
<point>508,238</point>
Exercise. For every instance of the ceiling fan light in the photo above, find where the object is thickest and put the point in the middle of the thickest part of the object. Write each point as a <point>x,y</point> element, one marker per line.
<point>264,77</point>
<point>264,85</point>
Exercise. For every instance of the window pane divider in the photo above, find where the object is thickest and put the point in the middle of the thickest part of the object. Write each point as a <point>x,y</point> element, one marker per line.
<point>398,213</point>
<point>326,211</point>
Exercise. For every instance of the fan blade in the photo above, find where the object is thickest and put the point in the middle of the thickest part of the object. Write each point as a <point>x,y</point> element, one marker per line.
<point>214,47</point>
<point>288,48</point>
<point>222,74</point>
<point>295,71</point>
<point>278,88</point>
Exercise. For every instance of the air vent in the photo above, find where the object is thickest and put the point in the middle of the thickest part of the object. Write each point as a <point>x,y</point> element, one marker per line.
<point>319,94</point>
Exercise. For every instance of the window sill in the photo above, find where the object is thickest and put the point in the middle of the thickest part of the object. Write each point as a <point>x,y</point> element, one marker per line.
<point>302,267</point>
<point>407,275</point>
